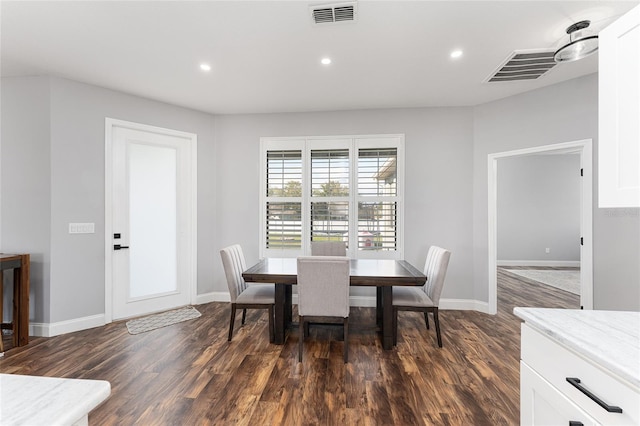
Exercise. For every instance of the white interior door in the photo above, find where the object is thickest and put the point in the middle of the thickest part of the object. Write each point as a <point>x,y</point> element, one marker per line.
<point>152,234</point>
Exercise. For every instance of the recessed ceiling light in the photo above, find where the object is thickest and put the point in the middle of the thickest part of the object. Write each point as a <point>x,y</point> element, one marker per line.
<point>456,54</point>
<point>325,61</point>
<point>205,67</point>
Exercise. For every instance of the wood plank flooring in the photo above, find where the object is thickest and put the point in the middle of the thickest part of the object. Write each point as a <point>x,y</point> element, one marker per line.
<point>188,374</point>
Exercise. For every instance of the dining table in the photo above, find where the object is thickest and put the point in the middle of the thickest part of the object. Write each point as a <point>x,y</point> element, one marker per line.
<point>380,273</point>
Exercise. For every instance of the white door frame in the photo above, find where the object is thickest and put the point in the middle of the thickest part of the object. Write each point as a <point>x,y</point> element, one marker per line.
<point>110,123</point>
<point>583,147</point>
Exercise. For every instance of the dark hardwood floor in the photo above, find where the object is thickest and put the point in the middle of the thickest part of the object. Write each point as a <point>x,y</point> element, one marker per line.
<point>188,374</point>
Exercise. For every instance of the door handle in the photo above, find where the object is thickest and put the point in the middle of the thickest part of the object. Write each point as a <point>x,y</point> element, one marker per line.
<point>119,247</point>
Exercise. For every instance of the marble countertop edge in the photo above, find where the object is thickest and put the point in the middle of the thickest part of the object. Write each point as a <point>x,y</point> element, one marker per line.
<point>38,400</point>
<point>610,339</point>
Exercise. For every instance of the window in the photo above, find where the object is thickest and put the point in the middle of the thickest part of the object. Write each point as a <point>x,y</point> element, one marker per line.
<point>329,195</point>
<point>284,195</point>
<point>332,189</point>
<point>377,199</point>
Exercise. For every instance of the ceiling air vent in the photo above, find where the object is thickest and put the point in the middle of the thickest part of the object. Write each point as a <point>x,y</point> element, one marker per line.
<point>523,65</point>
<point>333,13</point>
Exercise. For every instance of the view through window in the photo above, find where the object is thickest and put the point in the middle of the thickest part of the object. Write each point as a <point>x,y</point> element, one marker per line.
<point>343,189</point>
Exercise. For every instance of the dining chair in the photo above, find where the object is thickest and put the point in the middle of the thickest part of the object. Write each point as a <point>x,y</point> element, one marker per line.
<point>426,298</point>
<point>243,296</point>
<point>328,248</point>
<point>323,295</point>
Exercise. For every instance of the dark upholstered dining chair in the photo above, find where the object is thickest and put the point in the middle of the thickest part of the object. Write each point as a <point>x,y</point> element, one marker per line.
<point>243,296</point>
<point>426,298</point>
<point>323,294</point>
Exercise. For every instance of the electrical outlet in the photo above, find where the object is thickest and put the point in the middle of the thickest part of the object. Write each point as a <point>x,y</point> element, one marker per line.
<point>82,228</point>
<point>547,250</point>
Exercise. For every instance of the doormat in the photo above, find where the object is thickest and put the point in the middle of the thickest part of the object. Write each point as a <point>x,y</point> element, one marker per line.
<point>151,322</point>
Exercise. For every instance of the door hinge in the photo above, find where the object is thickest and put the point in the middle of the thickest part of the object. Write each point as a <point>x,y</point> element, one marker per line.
<point>581,172</point>
<point>581,241</point>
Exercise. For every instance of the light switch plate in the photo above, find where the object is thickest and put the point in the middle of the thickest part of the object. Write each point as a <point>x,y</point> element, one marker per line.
<point>82,228</point>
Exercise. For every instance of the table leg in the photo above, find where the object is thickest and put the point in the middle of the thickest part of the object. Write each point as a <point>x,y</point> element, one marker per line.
<point>288,307</point>
<point>387,317</point>
<point>379,307</point>
<point>279,314</point>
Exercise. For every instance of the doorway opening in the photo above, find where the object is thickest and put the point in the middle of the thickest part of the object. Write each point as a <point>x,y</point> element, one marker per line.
<point>581,148</point>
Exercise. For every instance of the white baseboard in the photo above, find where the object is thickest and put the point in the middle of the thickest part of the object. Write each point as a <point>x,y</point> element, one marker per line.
<point>79,324</point>
<point>370,302</point>
<point>464,305</point>
<point>362,301</point>
<point>64,327</point>
<point>555,263</point>
<point>201,299</point>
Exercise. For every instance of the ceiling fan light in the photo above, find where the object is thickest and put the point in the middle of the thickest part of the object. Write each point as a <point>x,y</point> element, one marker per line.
<point>581,44</point>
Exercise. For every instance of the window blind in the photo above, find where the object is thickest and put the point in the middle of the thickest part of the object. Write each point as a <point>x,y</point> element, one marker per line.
<point>330,221</point>
<point>377,226</point>
<point>283,225</point>
<point>377,172</point>
<point>284,173</point>
<point>330,173</point>
<point>314,190</point>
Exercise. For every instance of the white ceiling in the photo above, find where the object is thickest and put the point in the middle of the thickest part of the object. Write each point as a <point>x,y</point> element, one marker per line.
<point>265,55</point>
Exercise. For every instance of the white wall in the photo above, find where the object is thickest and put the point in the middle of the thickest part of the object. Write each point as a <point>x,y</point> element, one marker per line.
<point>538,207</point>
<point>25,212</point>
<point>560,113</point>
<point>70,183</point>
<point>53,174</point>
<point>438,146</point>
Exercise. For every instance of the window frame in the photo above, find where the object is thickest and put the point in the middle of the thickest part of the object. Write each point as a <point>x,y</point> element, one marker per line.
<point>354,143</point>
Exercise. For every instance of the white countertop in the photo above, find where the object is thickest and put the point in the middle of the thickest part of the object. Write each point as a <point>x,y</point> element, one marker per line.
<point>610,339</point>
<point>34,400</point>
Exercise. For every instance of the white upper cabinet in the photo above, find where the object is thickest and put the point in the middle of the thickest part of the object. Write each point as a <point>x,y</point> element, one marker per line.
<point>619,112</point>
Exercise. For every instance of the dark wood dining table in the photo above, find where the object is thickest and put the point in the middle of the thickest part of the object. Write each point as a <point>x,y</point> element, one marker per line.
<point>380,273</point>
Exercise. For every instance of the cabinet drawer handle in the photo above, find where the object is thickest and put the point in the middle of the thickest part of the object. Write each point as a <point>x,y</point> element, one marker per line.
<point>575,423</point>
<point>575,382</point>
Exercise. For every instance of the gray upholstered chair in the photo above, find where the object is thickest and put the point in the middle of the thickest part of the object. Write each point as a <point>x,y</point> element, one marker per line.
<point>243,296</point>
<point>328,248</point>
<point>323,294</point>
<point>426,298</point>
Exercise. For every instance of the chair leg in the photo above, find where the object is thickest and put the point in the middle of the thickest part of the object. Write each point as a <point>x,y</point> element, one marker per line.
<point>306,329</point>
<point>300,338</point>
<point>271,330</point>
<point>426,318</point>
<point>244,315</point>
<point>233,318</point>
<point>437,321</point>
<point>346,340</point>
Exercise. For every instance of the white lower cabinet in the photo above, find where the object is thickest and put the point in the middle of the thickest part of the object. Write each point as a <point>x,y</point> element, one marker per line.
<point>542,404</point>
<point>560,387</point>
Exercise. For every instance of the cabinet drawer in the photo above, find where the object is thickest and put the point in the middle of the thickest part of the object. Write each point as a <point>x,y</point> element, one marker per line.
<point>555,363</point>
<point>542,404</point>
